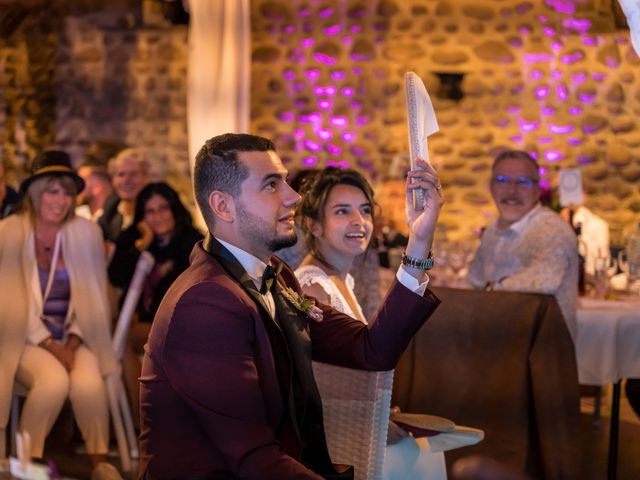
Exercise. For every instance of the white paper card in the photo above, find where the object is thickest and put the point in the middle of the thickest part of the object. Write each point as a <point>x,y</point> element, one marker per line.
<point>570,187</point>
<point>631,9</point>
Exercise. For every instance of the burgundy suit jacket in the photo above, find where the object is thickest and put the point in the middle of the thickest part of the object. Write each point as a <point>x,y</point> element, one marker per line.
<point>211,386</point>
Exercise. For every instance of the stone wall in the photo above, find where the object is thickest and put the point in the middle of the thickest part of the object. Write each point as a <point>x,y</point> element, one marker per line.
<point>97,73</point>
<point>553,77</point>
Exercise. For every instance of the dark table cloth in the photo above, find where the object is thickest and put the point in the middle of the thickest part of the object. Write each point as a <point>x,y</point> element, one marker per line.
<point>505,363</point>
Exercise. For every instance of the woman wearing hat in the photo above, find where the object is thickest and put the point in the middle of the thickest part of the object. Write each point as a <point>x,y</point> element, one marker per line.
<point>54,313</point>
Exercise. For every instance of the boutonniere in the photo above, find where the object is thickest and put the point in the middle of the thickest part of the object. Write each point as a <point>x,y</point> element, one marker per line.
<point>302,303</point>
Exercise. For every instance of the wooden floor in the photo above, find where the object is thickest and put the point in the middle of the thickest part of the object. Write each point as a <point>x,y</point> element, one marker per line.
<point>593,444</point>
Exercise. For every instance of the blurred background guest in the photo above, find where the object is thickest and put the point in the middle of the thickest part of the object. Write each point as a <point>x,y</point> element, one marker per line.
<point>94,172</point>
<point>9,198</point>
<point>54,316</point>
<point>163,227</point>
<point>529,248</point>
<point>129,172</point>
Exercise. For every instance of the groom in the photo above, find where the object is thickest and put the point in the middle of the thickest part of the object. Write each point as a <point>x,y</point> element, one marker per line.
<point>227,386</point>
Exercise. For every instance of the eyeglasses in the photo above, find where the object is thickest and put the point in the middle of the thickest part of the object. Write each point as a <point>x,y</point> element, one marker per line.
<point>523,183</point>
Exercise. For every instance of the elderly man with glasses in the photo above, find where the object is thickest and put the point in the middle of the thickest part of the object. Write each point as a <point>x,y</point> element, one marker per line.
<point>529,248</point>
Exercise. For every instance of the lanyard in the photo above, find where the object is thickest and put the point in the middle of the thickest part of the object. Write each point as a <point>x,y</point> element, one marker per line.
<point>52,269</point>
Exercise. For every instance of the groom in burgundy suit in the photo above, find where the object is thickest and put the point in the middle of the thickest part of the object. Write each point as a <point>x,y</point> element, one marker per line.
<point>227,386</point>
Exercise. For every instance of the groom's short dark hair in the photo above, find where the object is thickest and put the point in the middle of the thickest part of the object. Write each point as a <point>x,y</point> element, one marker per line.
<point>218,167</point>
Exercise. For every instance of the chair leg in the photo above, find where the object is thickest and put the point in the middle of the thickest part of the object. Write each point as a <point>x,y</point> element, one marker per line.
<point>114,385</point>
<point>128,423</point>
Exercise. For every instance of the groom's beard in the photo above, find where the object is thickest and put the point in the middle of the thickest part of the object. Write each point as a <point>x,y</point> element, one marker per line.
<point>261,233</point>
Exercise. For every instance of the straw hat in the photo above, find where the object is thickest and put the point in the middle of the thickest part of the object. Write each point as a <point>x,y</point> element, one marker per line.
<point>52,162</point>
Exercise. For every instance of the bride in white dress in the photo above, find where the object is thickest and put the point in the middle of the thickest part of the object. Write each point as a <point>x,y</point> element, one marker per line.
<point>336,217</point>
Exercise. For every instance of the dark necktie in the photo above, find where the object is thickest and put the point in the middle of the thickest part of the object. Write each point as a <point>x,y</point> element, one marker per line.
<point>268,278</point>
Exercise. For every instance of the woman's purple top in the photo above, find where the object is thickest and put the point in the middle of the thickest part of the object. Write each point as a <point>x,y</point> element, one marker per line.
<point>57,304</point>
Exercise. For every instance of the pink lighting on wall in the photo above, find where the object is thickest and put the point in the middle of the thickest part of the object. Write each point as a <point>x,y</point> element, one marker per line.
<point>311,145</point>
<point>573,57</point>
<point>550,32</point>
<point>355,28</point>
<point>598,76</point>
<point>528,126</point>
<point>590,41</point>
<point>348,91</point>
<point>298,134</point>
<point>309,161</point>
<point>562,6</point>
<point>329,91</point>
<point>338,75</point>
<point>333,149</point>
<point>553,155</point>
<point>332,30</point>
<point>586,97</point>
<point>339,164</point>
<point>545,139</point>
<point>325,12</point>
<point>556,74</point>
<point>541,91</point>
<point>322,58</point>
<point>575,141</point>
<point>577,24</point>
<point>547,111</point>
<point>286,116</point>
<point>575,110</point>
<point>562,92</point>
<point>560,129</point>
<point>338,121</point>
<point>516,138</point>
<point>324,134</point>
<point>537,57</point>
<point>325,104</point>
<point>289,74</point>
<point>312,73</point>
<point>536,74</point>
<point>307,42</point>
<point>348,136</point>
<point>578,77</point>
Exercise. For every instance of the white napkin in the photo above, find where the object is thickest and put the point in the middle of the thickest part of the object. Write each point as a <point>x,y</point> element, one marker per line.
<point>631,9</point>
<point>421,122</point>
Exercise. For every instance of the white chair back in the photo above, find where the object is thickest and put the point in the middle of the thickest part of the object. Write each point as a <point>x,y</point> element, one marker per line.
<point>143,267</point>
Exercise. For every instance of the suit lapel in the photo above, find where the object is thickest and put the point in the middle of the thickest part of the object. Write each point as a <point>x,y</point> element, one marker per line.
<point>233,267</point>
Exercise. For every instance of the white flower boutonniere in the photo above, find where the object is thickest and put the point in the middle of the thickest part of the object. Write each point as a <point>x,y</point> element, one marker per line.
<point>303,304</point>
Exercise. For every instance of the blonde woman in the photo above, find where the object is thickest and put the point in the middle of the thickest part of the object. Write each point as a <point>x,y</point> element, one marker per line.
<point>54,313</point>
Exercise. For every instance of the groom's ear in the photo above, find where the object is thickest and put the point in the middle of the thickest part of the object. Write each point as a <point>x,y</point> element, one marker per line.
<point>223,206</point>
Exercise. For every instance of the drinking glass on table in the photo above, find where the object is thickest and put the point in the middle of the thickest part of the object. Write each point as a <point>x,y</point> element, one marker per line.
<point>630,265</point>
<point>605,269</point>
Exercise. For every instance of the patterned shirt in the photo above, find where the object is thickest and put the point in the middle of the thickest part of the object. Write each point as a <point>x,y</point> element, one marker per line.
<point>538,253</point>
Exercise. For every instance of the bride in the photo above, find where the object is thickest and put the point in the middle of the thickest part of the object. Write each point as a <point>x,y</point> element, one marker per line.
<point>336,217</point>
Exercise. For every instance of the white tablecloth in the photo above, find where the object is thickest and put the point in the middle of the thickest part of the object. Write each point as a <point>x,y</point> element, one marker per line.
<point>608,341</point>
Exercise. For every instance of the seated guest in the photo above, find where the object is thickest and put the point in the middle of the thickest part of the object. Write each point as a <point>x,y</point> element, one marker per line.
<point>129,172</point>
<point>162,226</point>
<point>336,216</point>
<point>94,172</point>
<point>227,384</point>
<point>97,189</point>
<point>529,248</point>
<point>54,314</point>
<point>9,198</point>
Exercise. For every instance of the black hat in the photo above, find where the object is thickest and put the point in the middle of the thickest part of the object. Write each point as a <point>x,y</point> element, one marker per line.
<point>52,162</point>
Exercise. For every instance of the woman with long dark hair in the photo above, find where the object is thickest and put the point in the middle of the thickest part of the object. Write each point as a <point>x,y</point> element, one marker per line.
<point>163,227</point>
